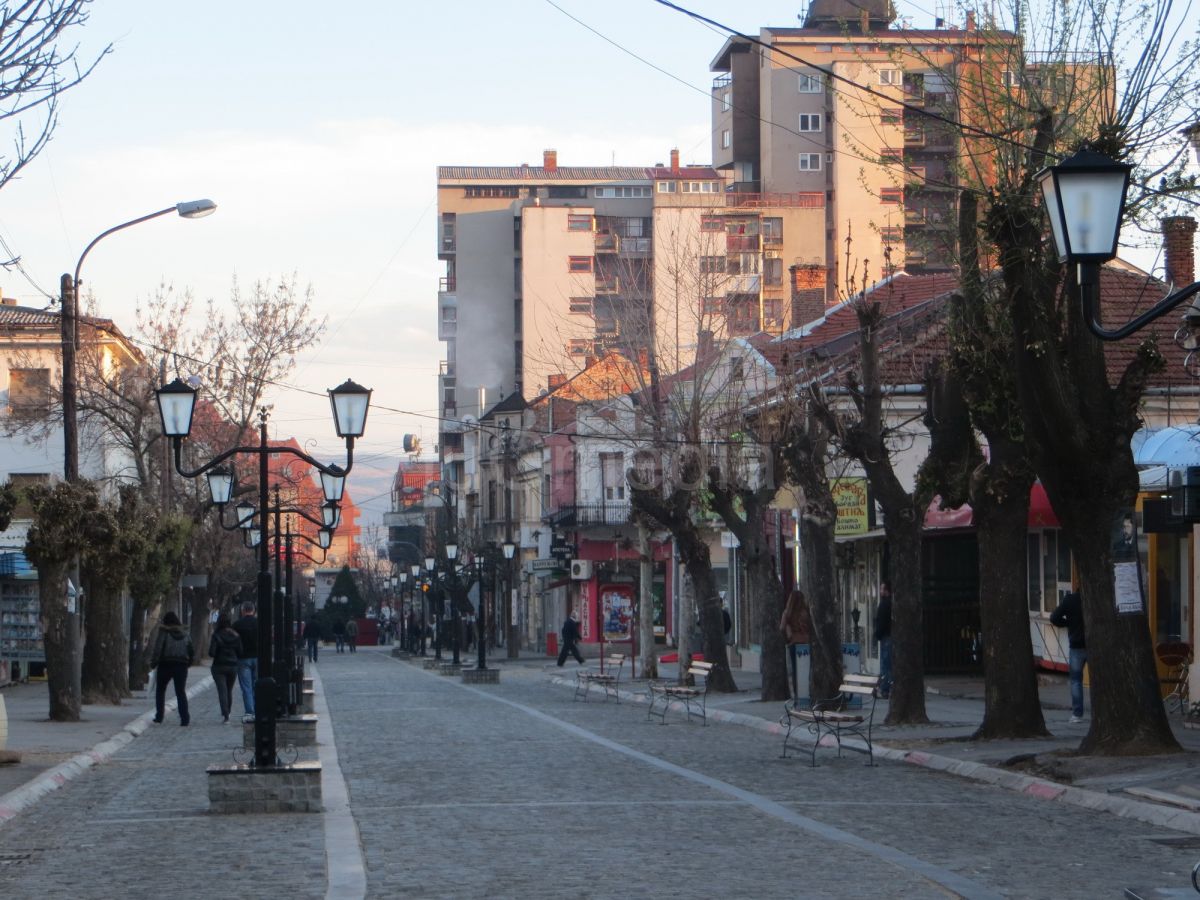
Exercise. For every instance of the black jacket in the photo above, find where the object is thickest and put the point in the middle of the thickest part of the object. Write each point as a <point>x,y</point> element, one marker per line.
<point>173,645</point>
<point>1069,615</point>
<point>225,648</point>
<point>883,618</point>
<point>247,628</point>
<point>570,632</point>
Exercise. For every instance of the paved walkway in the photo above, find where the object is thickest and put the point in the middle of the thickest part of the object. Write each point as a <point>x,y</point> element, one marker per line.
<point>515,790</point>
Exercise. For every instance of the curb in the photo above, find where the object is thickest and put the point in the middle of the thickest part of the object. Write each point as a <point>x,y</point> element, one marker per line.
<point>1141,811</point>
<point>26,795</point>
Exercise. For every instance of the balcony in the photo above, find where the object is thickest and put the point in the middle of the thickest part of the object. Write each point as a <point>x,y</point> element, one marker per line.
<point>753,200</point>
<point>608,284</point>
<point>635,246</point>
<point>741,242</point>
<point>721,82</point>
<point>606,242</point>
<point>447,284</point>
<point>743,284</point>
<point>588,515</point>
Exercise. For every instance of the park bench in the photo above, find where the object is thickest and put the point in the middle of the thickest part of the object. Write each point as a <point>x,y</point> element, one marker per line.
<point>607,677</point>
<point>835,717</point>
<point>694,697</point>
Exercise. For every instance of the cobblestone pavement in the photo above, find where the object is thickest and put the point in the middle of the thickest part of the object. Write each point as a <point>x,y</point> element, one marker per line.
<point>515,790</point>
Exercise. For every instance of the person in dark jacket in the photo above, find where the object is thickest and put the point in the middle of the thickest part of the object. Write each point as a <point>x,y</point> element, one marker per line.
<point>339,635</point>
<point>247,627</point>
<point>225,649</point>
<point>351,635</point>
<point>796,629</point>
<point>1069,615</point>
<point>570,638</point>
<point>173,654</point>
<point>883,634</point>
<point>312,636</point>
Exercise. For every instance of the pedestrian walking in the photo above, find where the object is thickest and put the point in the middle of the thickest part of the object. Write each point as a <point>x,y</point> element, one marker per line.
<point>352,635</point>
<point>883,634</point>
<point>225,649</point>
<point>797,631</point>
<point>173,654</point>
<point>247,627</point>
<point>312,637</point>
<point>1069,615</point>
<point>570,637</point>
<point>339,635</point>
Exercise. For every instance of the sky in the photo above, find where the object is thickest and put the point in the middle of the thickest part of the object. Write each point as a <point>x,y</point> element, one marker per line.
<point>318,135</point>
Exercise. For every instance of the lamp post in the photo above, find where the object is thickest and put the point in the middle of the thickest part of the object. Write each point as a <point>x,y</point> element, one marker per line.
<point>510,551</point>
<point>399,580</point>
<point>430,574</point>
<point>455,620</point>
<point>68,322</point>
<point>350,402</point>
<point>1085,199</point>
<point>415,571</point>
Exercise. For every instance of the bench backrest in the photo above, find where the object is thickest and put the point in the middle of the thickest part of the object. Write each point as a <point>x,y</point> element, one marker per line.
<point>613,661</point>
<point>865,685</point>
<point>700,668</point>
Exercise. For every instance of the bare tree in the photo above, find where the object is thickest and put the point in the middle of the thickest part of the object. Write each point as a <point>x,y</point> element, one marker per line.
<point>36,69</point>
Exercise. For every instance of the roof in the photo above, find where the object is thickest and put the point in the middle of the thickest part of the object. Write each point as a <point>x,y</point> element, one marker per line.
<point>514,402</point>
<point>26,316</point>
<point>494,174</point>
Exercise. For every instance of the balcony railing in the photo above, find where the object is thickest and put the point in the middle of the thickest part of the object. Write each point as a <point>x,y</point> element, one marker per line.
<point>607,242</point>
<point>741,242</point>
<point>608,285</point>
<point>586,515</point>
<point>722,81</point>
<point>447,285</point>
<point>806,200</point>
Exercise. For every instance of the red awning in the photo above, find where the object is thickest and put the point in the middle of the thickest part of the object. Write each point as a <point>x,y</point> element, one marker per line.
<point>1041,515</point>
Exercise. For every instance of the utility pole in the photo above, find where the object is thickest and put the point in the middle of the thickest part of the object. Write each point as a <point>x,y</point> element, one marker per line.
<point>72,644</point>
<point>513,651</point>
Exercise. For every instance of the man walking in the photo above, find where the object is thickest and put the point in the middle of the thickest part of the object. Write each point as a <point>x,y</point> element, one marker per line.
<point>247,628</point>
<point>1069,615</point>
<point>570,637</point>
<point>352,635</point>
<point>312,635</point>
<point>883,634</point>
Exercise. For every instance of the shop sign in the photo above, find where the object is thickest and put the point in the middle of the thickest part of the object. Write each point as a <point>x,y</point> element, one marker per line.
<point>850,498</point>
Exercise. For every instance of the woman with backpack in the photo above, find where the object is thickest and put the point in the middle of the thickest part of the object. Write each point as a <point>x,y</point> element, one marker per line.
<point>173,654</point>
<point>224,648</point>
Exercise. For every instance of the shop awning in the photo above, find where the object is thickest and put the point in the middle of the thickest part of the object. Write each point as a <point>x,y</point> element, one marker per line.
<point>1041,515</point>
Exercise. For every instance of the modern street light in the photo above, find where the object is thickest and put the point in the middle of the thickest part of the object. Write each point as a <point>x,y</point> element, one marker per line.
<point>1085,200</point>
<point>430,573</point>
<point>455,620</point>
<point>415,571</point>
<point>350,402</point>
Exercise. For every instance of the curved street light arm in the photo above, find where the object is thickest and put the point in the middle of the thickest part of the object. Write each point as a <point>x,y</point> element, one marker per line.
<point>1089,290</point>
<point>102,235</point>
<point>220,458</point>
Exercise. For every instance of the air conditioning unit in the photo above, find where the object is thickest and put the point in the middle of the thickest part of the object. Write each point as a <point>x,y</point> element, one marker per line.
<point>581,569</point>
<point>1185,492</point>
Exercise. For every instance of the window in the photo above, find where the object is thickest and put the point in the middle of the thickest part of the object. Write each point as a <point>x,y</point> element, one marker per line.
<point>726,101</point>
<point>725,139</point>
<point>915,175</point>
<point>667,187</point>
<point>581,306</point>
<point>493,191</point>
<point>449,314</point>
<point>612,475</point>
<point>890,76</point>
<point>891,154</point>
<point>810,162</point>
<point>579,264</point>
<point>890,195</point>
<point>810,84</point>
<point>623,191</point>
<point>810,122</point>
<point>711,265</point>
<point>891,234</point>
<point>712,223</point>
<point>891,116</point>
<point>773,270</point>
<point>448,223</point>
<point>772,311</point>
<point>737,368</point>
<point>742,264</point>
<point>28,392</point>
<point>577,222</point>
<point>772,230</point>
<point>632,227</point>
<point>567,192</point>
<point>699,187</point>
<point>579,347</point>
<point>1008,78</point>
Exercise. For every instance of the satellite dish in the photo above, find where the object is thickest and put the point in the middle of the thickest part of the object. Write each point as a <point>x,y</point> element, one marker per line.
<point>412,443</point>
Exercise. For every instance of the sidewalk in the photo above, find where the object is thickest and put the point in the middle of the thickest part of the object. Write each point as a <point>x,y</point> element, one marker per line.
<point>53,752</point>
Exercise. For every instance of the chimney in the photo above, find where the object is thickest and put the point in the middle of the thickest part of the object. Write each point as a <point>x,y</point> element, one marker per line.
<point>1179,234</point>
<point>808,294</point>
<point>8,301</point>
<point>643,357</point>
<point>675,160</point>
<point>556,380</point>
<point>550,160</point>
<point>970,20</point>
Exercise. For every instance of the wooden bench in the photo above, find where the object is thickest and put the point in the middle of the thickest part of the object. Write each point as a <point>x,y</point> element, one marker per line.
<point>835,718</point>
<point>693,696</point>
<point>609,678</point>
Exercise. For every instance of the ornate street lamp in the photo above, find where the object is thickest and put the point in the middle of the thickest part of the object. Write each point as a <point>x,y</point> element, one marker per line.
<point>176,402</point>
<point>1085,200</point>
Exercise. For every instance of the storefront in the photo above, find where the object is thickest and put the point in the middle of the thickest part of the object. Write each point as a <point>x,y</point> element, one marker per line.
<point>21,650</point>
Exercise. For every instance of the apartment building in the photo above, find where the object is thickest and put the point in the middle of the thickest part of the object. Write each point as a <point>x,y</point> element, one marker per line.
<point>865,116</point>
<point>550,267</point>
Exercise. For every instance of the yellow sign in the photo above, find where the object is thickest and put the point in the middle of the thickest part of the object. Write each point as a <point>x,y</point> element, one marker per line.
<point>850,497</point>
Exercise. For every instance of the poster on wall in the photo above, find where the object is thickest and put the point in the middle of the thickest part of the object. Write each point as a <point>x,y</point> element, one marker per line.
<point>1128,584</point>
<point>851,498</point>
<point>585,611</point>
<point>616,605</point>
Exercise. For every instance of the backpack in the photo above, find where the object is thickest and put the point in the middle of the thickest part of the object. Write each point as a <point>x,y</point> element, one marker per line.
<point>177,647</point>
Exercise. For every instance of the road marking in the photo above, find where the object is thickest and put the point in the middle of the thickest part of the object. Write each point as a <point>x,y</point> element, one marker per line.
<point>345,867</point>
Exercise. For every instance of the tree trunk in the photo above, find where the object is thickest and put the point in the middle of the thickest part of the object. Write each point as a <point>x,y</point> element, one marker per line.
<point>141,631</point>
<point>200,627</point>
<point>816,542</point>
<point>693,551</point>
<point>1128,718</point>
<point>907,705</point>
<point>646,603</point>
<point>105,676</point>
<point>766,597</point>
<point>62,655</point>
<point>1011,705</point>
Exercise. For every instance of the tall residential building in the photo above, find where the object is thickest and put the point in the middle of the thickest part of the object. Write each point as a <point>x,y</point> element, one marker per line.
<point>551,267</point>
<point>863,115</point>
